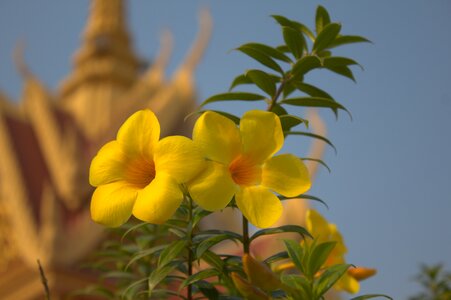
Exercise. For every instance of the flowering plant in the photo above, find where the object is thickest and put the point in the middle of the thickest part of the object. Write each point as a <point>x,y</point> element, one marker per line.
<point>172,184</point>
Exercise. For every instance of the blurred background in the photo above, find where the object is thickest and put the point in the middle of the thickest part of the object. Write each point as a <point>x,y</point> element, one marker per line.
<point>389,189</point>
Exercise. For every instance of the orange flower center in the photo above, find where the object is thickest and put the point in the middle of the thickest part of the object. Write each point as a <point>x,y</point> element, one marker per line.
<point>140,172</point>
<point>245,172</point>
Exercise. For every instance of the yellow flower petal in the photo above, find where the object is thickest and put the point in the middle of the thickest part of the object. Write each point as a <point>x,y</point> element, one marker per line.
<point>261,134</point>
<point>348,284</point>
<point>179,157</point>
<point>317,226</point>
<point>261,207</point>
<point>217,136</point>
<point>112,204</point>
<point>158,201</point>
<point>213,188</point>
<point>108,165</point>
<point>286,175</point>
<point>139,134</point>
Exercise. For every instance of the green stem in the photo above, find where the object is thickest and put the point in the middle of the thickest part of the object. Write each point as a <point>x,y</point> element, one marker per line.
<point>246,241</point>
<point>189,246</point>
<point>276,96</point>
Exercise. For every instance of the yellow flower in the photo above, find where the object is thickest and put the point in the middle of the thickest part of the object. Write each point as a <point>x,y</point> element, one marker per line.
<point>139,174</point>
<point>323,231</point>
<point>241,163</point>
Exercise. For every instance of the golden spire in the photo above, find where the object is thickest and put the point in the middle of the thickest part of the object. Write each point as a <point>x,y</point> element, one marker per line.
<point>106,53</point>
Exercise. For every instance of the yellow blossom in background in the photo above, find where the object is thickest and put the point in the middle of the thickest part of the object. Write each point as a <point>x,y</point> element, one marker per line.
<point>242,164</point>
<point>140,174</point>
<point>323,231</point>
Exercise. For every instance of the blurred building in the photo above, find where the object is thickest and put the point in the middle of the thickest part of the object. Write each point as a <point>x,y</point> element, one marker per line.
<point>48,138</point>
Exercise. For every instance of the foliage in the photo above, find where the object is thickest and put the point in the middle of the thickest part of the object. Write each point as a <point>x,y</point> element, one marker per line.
<point>436,283</point>
<point>177,258</point>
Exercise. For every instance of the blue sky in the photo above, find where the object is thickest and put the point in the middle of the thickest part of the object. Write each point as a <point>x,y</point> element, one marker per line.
<point>389,190</point>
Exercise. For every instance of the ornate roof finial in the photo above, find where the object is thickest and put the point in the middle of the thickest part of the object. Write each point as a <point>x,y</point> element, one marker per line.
<point>106,53</point>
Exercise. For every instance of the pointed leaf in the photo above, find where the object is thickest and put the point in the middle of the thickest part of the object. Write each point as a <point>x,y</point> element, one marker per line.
<point>203,274</point>
<point>295,252</point>
<point>239,80</point>
<point>264,81</point>
<point>305,64</point>
<point>330,276</point>
<point>365,297</point>
<point>311,90</point>
<point>290,121</point>
<point>338,61</point>
<point>304,196</point>
<point>318,161</point>
<point>273,52</point>
<point>283,21</point>
<point>210,242</point>
<point>261,57</point>
<point>276,257</point>
<point>322,18</point>
<point>314,102</point>
<point>171,252</point>
<point>144,253</point>
<point>313,135</point>
<point>213,260</point>
<point>281,229</point>
<point>294,40</point>
<point>344,71</point>
<point>348,39</point>
<point>297,286</point>
<point>326,37</point>
<point>158,275</point>
<point>319,255</point>
<point>238,96</point>
<point>279,110</point>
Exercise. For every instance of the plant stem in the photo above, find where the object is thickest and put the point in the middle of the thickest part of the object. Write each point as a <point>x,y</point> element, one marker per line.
<point>189,245</point>
<point>246,242</point>
<point>276,96</point>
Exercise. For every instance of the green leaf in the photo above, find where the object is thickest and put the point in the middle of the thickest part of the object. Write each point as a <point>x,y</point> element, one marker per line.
<point>322,18</point>
<point>326,37</point>
<point>312,135</point>
<point>294,40</point>
<point>145,253</point>
<point>158,275</point>
<point>338,61</point>
<point>344,71</point>
<point>319,255</point>
<point>348,39</point>
<point>273,52</point>
<point>364,297</point>
<point>305,64</point>
<point>213,260</point>
<point>328,278</point>
<point>210,242</point>
<point>239,96</point>
<point>311,90</point>
<point>314,102</point>
<point>290,121</point>
<point>276,257</point>
<point>281,229</point>
<point>297,286</point>
<point>171,252</point>
<point>279,110</point>
<point>296,253</point>
<point>264,81</point>
<point>318,161</point>
<point>283,21</point>
<point>261,57</point>
<point>207,273</point>
<point>239,80</point>
<point>289,88</point>
<point>304,196</point>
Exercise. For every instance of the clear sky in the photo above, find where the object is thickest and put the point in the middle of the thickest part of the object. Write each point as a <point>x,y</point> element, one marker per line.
<point>389,190</point>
